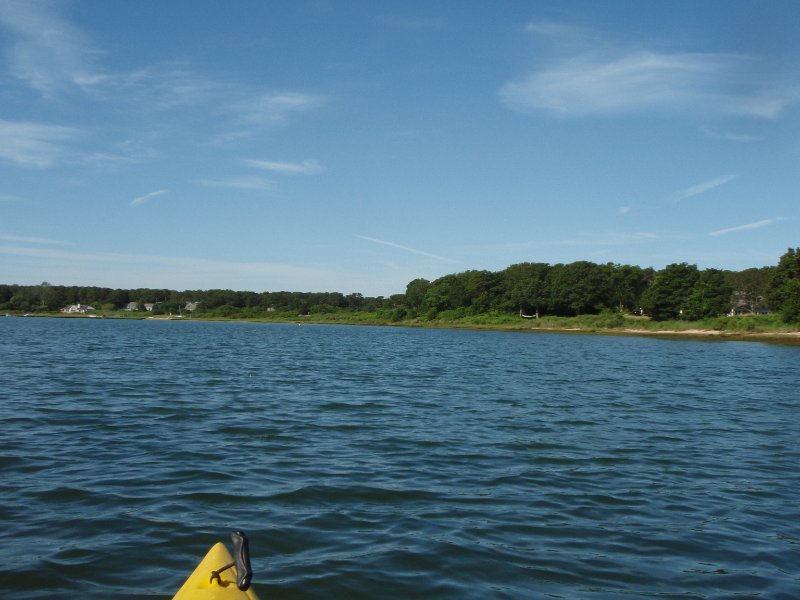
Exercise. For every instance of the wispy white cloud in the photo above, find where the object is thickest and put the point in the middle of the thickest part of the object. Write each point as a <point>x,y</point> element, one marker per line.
<point>249,110</point>
<point>748,226</point>
<point>9,198</point>
<point>47,52</point>
<point>705,186</point>
<point>274,108</point>
<point>142,199</point>
<point>624,210</point>
<point>33,144</point>
<point>406,248</point>
<point>106,158</point>
<point>241,110</point>
<point>177,85</point>
<point>306,167</point>
<point>591,76</point>
<point>40,145</point>
<point>31,240</point>
<point>732,136</point>
<point>166,86</point>
<point>241,183</point>
<point>53,56</point>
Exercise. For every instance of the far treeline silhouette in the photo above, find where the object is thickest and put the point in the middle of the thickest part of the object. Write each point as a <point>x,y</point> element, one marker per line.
<point>678,291</point>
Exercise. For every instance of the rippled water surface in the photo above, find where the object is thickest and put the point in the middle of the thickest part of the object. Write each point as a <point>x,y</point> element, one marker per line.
<point>396,463</point>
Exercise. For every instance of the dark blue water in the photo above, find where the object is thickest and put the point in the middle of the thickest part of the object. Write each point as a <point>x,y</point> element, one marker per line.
<point>396,463</point>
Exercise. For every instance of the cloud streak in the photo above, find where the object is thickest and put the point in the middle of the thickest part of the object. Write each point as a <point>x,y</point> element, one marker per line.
<point>405,248</point>
<point>238,183</point>
<point>53,56</point>
<point>274,108</point>
<point>306,167</point>
<point>48,53</point>
<point>33,144</point>
<point>700,188</point>
<point>747,227</point>
<point>731,136</point>
<point>31,240</point>
<point>142,199</point>
<point>591,77</point>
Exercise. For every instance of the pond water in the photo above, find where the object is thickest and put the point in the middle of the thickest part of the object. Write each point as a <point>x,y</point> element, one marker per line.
<point>370,462</point>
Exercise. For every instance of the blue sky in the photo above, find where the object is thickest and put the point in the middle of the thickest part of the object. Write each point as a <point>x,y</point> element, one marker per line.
<point>355,146</point>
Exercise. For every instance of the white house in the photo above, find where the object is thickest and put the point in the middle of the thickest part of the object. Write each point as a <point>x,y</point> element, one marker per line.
<point>77,308</point>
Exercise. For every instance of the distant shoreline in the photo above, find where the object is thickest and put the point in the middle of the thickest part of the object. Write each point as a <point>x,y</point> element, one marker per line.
<point>787,337</point>
<point>777,337</point>
<point>784,337</point>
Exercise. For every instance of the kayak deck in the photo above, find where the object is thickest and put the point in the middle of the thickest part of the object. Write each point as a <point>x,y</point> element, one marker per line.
<point>200,587</point>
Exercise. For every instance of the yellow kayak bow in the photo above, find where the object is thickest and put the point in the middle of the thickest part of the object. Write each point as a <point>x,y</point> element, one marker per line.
<point>220,576</point>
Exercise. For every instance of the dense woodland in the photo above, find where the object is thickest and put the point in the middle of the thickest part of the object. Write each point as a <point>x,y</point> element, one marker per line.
<point>679,291</point>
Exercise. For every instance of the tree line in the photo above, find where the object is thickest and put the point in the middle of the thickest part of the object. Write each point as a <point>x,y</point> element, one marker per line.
<point>678,291</point>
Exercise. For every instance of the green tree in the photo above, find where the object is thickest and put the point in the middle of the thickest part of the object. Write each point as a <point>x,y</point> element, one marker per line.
<point>170,307</point>
<point>750,288</point>
<point>667,294</point>
<point>626,285</point>
<point>119,298</point>
<point>446,293</point>
<point>790,310</point>
<point>49,297</point>
<point>578,288</point>
<point>215,298</point>
<point>354,301</point>
<point>6,293</point>
<point>415,293</point>
<point>22,300</point>
<point>472,290</point>
<point>525,287</point>
<point>481,288</point>
<point>710,296</point>
<point>783,289</point>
